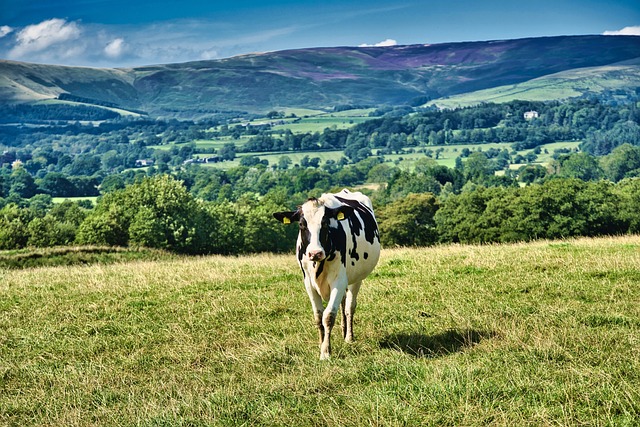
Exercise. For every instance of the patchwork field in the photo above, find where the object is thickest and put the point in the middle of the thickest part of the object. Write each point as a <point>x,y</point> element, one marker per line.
<point>544,333</point>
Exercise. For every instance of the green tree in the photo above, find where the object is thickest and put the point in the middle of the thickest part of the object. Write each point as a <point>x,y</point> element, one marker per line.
<point>459,217</point>
<point>227,224</point>
<point>111,183</point>
<point>22,183</point>
<point>13,226</point>
<point>48,231</point>
<point>158,212</point>
<point>579,165</point>
<point>284,162</point>
<point>624,161</point>
<point>628,191</point>
<point>228,151</point>
<point>85,164</point>
<point>57,185</point>
<point>531,173</point>
<point>264,234</point>
<point>477,167</point>
<point>409,221</point>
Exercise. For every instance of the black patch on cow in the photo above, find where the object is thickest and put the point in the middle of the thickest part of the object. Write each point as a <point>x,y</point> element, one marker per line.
<point>291,216</point>
<point>305,236</point>
<point>300,252</point>
<point>370,226</point>
<point>353,263</point>
<point>338,239</point>
<point>365,255</point>
<point>320,268</point>
<point>304,242</point>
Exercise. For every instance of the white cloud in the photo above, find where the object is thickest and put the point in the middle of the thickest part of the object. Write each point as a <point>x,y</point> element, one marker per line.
<point>115,48</point>
<point>626,31</point>
<point>4,30</point>
<point>38,37</point>
<point>209,54</point>
<point>384,43</point>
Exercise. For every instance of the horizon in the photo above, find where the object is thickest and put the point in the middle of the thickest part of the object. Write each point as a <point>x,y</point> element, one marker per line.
<point>381,46</point>
<point>117,34</point>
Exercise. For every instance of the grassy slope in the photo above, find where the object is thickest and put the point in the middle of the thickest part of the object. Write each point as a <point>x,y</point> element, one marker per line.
<point>529,334</point>
<point>559,86</point>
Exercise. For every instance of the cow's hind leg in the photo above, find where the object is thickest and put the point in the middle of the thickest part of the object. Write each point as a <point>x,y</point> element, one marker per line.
<point>349,305</point>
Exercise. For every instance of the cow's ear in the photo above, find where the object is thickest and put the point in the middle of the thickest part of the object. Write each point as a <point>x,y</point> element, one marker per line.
<point>287,217</point>
<point>343,212</point>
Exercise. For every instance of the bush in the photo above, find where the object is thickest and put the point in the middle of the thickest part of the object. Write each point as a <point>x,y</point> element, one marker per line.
<point>409,221</point>
<point>158,212</point>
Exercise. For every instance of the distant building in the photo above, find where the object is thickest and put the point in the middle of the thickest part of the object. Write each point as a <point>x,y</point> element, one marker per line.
<point>212,159</point>
<point>140,163</point>
<point>530,115</point>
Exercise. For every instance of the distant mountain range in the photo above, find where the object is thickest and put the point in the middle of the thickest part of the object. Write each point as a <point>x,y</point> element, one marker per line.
<point>448,74</point>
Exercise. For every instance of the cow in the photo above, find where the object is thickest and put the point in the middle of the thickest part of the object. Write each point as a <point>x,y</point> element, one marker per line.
<point>338,246</point>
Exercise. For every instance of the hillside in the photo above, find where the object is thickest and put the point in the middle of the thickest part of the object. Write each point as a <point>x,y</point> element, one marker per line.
<point>321,78</point>
<point>610,82</point>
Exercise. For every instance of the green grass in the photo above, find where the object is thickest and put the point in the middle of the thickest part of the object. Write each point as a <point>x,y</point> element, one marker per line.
<point>207,144</point>
<point>527,334</point>
<point>321,122</point>
<point>93,199</point>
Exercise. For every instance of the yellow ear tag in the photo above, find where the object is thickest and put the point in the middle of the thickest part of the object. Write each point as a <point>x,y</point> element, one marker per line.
<point>340,216</point>
<point>286,220</point>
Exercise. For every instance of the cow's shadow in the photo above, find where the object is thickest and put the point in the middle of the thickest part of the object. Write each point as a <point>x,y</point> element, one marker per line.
<point>432,346</point>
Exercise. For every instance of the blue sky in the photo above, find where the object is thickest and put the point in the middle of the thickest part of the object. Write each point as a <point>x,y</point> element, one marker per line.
<point>123,33</point>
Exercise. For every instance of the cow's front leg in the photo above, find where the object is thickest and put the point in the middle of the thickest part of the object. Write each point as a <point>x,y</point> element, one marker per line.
<point>317,307</point>
<point>329,317</point>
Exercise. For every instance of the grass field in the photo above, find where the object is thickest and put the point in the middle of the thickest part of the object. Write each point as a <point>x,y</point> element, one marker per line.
<point>319,122</point>
<point>92,199</point>
<point>545,333</point>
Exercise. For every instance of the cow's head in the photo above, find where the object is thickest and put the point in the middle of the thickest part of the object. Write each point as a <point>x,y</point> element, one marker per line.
<point>315,220</point>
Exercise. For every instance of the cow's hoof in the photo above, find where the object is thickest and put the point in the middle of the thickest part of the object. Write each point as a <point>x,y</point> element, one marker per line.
<point>325,356</point>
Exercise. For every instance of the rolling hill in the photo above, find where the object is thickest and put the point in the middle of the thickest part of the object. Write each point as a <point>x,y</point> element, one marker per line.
<point>322,78</point>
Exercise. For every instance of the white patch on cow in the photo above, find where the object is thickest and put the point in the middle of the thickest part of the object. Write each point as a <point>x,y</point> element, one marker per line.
<point>313,213</point>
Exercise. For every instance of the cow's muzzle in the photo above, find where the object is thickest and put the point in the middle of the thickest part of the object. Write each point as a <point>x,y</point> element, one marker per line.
<point>316,255</point>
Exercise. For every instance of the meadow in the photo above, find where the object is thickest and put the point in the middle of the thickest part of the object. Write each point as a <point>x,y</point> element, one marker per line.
<point>543,333</point>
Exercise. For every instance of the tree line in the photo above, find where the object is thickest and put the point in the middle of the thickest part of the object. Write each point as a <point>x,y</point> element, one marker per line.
<point>160,212</point>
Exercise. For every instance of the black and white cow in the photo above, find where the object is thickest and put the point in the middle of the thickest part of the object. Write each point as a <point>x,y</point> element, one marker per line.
<point>338,246</point>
